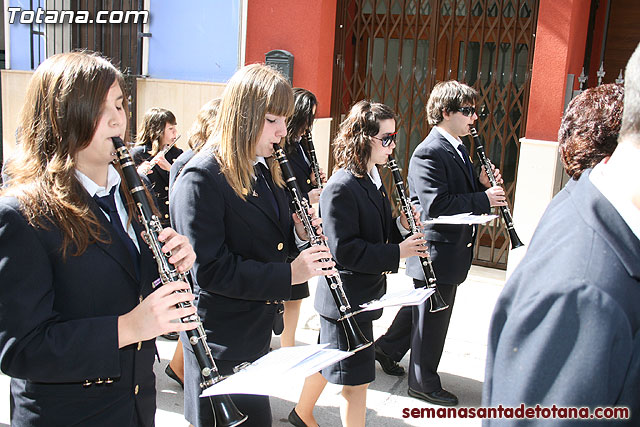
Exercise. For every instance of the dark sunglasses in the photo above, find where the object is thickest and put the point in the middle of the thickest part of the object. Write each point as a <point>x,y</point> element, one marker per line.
<point>467,111</point>
<point>387,140</point>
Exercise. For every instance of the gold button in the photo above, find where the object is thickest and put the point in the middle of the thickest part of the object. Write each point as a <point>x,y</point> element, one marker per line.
<point>469,245</point>
<point>166,203</point>
<point>308,181</point>
<point>136,390</point>
<point>166,188</point>
<point>280,246</point>
<point>139,345</point>
<point>140,298</point>
<point>166,215</point>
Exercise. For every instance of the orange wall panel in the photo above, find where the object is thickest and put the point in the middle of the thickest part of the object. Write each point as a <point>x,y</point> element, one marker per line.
<point>305,28</point>
<point>560,46</point>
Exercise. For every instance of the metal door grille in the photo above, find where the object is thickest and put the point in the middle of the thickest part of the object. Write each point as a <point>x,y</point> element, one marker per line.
<point>394,51</point>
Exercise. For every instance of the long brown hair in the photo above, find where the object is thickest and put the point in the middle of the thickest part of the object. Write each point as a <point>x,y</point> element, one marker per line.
<point>253,91</point>
<point>59,118</point>
<point>202,128</point>
<point>352,145</point>
<point>152,128</point>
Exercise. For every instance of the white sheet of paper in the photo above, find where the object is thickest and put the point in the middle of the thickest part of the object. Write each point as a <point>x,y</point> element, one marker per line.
<point>278,370</point>
<point>463,218</point>
<point>407,297</point>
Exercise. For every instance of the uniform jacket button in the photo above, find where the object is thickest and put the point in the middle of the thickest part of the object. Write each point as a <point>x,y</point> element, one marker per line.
<point>469,245</point>
<point>280,246</point>
<point>136,389</point>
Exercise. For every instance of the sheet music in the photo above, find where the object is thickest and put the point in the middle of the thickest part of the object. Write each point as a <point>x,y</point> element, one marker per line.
<point>407,297</point>
<point>463,218</point>
<point>278,371</point>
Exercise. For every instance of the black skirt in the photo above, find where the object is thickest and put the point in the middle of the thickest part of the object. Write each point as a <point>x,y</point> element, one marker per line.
<point>354,370</point>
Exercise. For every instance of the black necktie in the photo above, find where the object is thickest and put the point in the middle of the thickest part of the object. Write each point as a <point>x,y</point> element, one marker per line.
<point>108,205</point>
<point>264,185</point>
<point>467,161</point>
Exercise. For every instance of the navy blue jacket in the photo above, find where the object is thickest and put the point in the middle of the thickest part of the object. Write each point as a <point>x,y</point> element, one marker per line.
<point>362,236</point>
<point>566,328</point>
<point>59,327</point>
<point>440,184</point>
<point>241,256</point>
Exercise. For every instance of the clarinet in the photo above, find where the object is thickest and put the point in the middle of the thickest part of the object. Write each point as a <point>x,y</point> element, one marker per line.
<point>436,301</point>
<point>504,210</point>
<point>315,166</point>
<point>226,413</point>
<point>355,338</point>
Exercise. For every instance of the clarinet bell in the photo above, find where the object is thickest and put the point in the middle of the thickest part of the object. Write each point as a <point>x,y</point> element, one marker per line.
<point>515,240</point>
<point>356,340</point>
<point>226,413</point>
<point>436,302</point>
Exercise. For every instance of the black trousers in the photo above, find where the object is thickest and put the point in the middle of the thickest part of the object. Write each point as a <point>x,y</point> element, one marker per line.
<point>424,333</point>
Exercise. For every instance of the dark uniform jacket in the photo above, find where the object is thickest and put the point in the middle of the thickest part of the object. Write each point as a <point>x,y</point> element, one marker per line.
<point>362,236</point>
<point>440,184</point>
<point>566,328</point>
<point>59,327</point>
<point>241,252</point>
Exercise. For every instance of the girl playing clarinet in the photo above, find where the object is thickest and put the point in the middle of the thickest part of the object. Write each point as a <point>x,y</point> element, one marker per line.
<point>78,316</point>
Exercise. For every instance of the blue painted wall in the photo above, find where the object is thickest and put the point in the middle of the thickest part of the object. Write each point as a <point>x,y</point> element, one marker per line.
<point>19,41</point>
<point>194,40</point>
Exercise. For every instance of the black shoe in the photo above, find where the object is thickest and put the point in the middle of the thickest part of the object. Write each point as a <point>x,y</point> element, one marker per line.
<point>389,366</point>
<point>173,375</point>
<point>173,336</point>
<point>295,419</point>
<point>440,397</point>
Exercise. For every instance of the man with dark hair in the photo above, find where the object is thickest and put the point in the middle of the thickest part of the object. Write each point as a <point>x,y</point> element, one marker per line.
<point>441,182</point>
<point>566,329</point>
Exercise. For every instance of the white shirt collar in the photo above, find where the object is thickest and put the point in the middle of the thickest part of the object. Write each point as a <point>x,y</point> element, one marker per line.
<point>603,177</point>
<point>113,178</point>
<point>455,142</point>
<point>374,175</point>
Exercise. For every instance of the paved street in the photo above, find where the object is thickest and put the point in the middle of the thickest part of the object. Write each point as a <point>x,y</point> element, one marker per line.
<point>462,365</point>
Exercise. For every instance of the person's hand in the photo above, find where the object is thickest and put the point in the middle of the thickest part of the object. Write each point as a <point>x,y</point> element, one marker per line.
<point>145,168</point>
<point>416,217</point>
<point>484,179</point>
<point>301,231</point>
<point>496,196</point>
<point>182,253</point>
<point>314,181</point>
<point>413,245</point>
<point>313,261</point>
<point>163,162</point>
<point>157,315</point>
<point>314,196</point>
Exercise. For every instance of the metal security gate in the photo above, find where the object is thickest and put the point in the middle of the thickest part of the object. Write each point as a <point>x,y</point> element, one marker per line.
<point>395,51</point>
<point>121,43</point>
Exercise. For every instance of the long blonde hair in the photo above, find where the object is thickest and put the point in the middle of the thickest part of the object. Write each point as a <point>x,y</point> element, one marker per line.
<point>253,91</point>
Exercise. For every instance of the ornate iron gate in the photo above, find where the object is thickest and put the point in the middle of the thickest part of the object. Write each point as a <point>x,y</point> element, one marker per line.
<point>394,51</point>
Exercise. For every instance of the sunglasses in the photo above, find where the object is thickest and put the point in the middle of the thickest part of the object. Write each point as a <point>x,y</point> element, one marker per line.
<point>387,140</point>
<point>467,111</point>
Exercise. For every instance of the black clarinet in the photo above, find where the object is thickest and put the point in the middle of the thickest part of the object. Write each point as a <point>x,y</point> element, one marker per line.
<point>436,301</point>
<point>355,338</point>
<point>226,413</point>
<point>504,210</point>
<point>315,166</point>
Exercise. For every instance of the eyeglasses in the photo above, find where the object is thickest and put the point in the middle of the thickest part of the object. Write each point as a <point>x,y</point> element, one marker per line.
<point>387,140</point>
<point>467,111</point>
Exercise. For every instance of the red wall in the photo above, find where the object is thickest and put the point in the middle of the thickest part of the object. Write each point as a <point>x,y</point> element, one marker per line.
<point>559,50</point>
<point>305,28</point>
